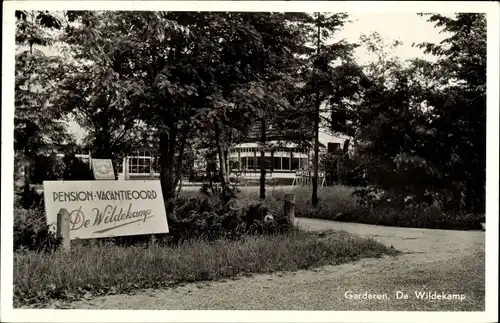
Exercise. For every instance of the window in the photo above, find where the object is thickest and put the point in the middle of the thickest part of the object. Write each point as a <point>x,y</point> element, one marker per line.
<point>285,163</point>
<point>142,163</point>
<point>251,163</point>
<point>295,163</point>
<point>154,165</point>
<point>131,164</point>
<point>333,147</point>
<point>267,162</point>
<point>277,163</point>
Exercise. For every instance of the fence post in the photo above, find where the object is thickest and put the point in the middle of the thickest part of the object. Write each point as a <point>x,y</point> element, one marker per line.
<point>63,229</point>
<point>289,208</point>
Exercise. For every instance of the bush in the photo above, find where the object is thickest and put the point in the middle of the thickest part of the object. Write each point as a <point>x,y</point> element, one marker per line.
<point>368,205</point>
<point>212,186</point>
<point>47,168</point>
<point>194,218</point>
<point>76,169</point>
<point>208,219</point>
<point>31,200</point>
<point>31,231</point>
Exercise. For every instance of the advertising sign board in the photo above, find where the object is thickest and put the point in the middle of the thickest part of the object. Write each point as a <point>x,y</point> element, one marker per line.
<point>101,209</point>
<point>103,169</point>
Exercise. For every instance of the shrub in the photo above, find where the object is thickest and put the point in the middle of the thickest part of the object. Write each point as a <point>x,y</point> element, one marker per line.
<point>192,218</point>
<point>31,231</point>
<point>49,168</point>
<point>202,217</point>
<point>368,205</point>
<point>213,187</point>
<point>76,169</point>
<point>31,200</point>
<point>377,207</point>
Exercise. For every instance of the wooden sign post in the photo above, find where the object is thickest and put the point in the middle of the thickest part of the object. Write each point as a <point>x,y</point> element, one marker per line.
<point>289,208</point>
<point>63,219</point>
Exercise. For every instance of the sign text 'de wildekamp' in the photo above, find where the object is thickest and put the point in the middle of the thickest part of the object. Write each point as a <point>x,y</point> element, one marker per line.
<point>101,209</point>
<point>103,169</point>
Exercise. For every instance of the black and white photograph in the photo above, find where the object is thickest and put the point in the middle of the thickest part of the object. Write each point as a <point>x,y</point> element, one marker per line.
<point>318,160</point>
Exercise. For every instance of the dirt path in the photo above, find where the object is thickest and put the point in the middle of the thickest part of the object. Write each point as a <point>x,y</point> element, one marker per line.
<point>432,261</point>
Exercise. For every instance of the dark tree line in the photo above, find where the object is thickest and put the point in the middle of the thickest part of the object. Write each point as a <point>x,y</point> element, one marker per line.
<point>179,81</point>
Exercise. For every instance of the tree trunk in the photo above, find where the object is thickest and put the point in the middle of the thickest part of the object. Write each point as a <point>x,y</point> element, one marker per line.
<point>226,154</point>
<point>222,157</point>
<point>339,170</point>
<point>103,149</point>
<point>178,169</point>
<point>27,189</point>
<point>316,135</point>
<point>167,162</point>
<point>315,158</point>
<point>262,161</point>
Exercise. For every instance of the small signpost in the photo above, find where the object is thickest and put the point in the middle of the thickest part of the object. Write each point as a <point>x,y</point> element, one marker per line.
<point>98,209</point>
<point>103,169</point>
<point>289,208</point>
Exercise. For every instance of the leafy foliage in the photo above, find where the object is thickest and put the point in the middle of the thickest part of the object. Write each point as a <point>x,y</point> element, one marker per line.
<point>421,126</point>
<point>76,169</point>
<point>38,122</point>
<point>31,231</point>
<point>329,76</point>
<point>177,82</point>
<point>39,126</point>
<point>195,218</point>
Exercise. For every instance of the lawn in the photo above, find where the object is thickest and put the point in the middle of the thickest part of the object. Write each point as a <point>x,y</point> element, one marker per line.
<point>101,269</point>
<point>88,271</point>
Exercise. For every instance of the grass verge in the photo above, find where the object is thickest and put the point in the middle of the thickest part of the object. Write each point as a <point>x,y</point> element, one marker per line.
<point>337,203</point>
<point>87,272</point>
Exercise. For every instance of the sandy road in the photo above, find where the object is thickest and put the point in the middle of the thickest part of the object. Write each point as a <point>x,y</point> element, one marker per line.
<point>432,261</point>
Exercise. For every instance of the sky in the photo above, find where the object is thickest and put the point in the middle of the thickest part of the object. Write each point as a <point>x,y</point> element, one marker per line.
<point>408,28</point>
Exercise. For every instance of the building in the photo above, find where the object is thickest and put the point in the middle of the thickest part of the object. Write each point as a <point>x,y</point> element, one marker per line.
<point>281,163</point>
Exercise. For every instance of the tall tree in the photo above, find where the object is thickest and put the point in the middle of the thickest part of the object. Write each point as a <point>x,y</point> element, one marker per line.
<point>39,125</point>
<point>179,72</point>
<point>330,71</point>
<point>255,55</point>
<point>421,125</point>
<point>389,122</point>
<point>102,89</point>
<point>460,108</point>
<point>130,75</point>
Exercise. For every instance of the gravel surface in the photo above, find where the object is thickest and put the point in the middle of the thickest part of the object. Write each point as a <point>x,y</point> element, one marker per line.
<point>432,261</point>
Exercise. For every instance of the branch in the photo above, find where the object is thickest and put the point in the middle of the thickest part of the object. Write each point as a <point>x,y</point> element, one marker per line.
<point>126,127</point>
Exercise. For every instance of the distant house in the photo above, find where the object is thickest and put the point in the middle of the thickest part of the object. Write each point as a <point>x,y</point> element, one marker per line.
<point>284,158</point>
<point>281,162</point>
<point>290,151</point>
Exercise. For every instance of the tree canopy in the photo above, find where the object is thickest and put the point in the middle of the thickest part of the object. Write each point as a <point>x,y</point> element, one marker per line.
<point>421,125</point>
<point>177,81</point>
